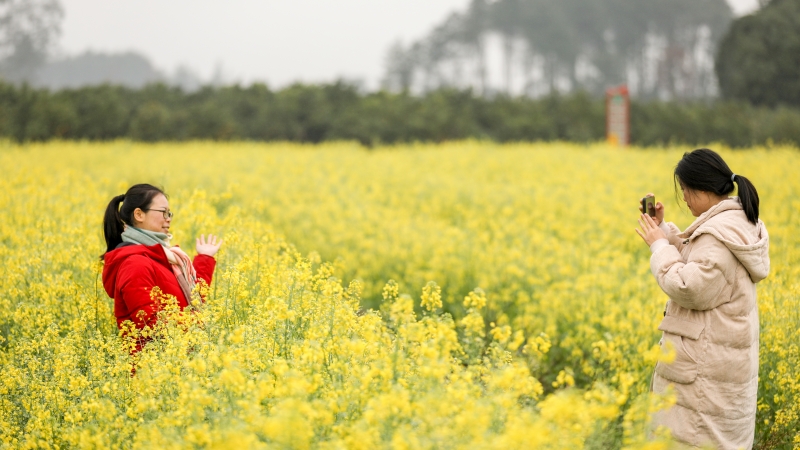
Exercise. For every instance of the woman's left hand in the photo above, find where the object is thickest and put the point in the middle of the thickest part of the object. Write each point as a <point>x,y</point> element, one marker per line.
<point>650,231</point>
<point>210,247</point>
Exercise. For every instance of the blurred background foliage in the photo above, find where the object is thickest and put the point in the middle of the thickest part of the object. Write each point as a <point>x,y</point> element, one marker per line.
<point>697,74</point>
<point>662,49</point>
<point>759,58</point>
<point>340,111</point>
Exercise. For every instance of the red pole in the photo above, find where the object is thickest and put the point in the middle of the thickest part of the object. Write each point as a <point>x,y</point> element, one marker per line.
<point>618,115</point>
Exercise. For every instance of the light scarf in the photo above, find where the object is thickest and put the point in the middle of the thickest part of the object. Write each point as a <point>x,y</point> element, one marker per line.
<point>178,259</point>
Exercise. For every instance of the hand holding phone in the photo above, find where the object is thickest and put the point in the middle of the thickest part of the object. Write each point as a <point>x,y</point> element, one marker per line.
<point>649,205</point>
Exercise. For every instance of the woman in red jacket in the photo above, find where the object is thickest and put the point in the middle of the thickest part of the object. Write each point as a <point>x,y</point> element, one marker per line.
<point>139,258</point>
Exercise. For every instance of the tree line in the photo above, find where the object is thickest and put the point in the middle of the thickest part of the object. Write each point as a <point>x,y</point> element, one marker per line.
<point>662,49</point>
<point>340,111</point>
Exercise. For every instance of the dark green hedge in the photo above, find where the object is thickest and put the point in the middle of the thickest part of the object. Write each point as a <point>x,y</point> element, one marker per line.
<point>316,113</point>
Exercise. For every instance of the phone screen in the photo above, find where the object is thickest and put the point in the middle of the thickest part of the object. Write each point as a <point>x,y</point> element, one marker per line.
<point>649,205</point>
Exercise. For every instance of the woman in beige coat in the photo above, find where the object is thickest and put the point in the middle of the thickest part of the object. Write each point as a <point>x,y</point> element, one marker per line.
<point>710,271</point>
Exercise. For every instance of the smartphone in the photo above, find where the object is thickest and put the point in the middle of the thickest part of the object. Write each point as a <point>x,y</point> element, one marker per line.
<point>649,205</point>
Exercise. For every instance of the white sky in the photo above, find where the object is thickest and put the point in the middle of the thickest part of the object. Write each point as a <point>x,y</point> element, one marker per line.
<point>277,41</point>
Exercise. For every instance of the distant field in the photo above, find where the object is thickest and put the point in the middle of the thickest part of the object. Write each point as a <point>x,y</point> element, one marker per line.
<point>463,295</point>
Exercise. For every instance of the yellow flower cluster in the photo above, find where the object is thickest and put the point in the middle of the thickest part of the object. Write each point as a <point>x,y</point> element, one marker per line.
<point>463,295</point>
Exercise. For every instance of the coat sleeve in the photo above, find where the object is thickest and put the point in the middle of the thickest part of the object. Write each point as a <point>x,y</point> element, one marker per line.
<point>672,232</point>
<point>136,279</point>
<point>204,265</point>
<point>697,283</point>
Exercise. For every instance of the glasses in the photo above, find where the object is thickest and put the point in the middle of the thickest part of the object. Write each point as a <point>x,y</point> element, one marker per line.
<point>167,213</point>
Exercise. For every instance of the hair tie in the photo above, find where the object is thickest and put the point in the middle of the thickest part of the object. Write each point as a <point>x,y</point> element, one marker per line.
<point>732,177</point>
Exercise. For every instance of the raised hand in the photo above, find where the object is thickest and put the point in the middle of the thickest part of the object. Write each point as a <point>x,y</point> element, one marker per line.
<point>208,247</point>
<point>650,231</point>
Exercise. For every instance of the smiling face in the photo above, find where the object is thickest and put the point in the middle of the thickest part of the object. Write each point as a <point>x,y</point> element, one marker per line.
<point>153,218</point>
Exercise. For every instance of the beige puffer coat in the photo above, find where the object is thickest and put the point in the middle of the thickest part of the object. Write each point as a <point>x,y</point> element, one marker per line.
<point>710,273</point>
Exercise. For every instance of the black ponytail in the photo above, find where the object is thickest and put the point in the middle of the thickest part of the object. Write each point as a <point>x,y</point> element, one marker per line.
<point>119,212</point>
<point>705,170</point>
<point>113,224</point>
<point>749,198</point>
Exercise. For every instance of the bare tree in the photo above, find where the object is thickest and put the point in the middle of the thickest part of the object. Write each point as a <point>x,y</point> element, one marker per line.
<point>662,48</point>
<point>28,31</point>
<point>399,68</point>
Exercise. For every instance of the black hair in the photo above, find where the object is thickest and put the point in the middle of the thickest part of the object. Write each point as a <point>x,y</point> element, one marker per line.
<point>704,170</point>
<point>116,217</point>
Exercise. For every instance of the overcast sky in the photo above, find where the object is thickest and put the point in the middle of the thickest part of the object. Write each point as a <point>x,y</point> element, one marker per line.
<point>277,41</point>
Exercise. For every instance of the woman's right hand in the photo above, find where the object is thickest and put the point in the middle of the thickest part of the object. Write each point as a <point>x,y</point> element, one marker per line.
<point>659,217</point>
<point>208,247</point>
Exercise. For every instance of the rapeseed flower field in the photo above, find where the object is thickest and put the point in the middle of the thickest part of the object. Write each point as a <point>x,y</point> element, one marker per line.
<point>460,295</point>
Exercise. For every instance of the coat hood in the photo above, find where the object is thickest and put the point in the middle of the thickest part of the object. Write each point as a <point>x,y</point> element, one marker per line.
<point>727,222</point>
<point>115,258</point>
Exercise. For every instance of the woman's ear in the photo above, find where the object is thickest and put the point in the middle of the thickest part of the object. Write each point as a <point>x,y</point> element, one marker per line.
<point>138,216</point>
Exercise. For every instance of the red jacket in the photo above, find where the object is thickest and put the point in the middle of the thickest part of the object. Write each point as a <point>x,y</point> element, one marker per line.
<point>130,273</point>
